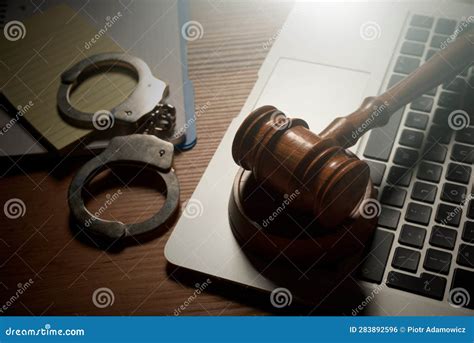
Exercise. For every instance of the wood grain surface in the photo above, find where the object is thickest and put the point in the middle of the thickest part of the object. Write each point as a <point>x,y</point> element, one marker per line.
<point>67,266</point>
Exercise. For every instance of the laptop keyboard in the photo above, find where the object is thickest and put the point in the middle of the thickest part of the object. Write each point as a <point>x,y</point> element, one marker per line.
<point>424,242</point>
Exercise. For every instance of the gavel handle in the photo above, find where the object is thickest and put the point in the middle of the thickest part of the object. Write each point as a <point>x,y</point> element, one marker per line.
<point>376,111</point>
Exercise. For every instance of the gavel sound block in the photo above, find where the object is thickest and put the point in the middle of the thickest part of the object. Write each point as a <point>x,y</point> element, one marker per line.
<point>285,157</point>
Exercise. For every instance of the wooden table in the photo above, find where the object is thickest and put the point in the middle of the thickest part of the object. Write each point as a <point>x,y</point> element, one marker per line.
<point>67,266</point>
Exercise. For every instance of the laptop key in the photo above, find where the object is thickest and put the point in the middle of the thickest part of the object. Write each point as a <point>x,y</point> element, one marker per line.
<point>412,48</point>
<point>456,85</point>
<point>442,237</point>
<point>466,255</point>
<point>422,104</point>
<point>470,210</point>
<point>432,92</point>
<point>389,218</point>
<point>406,259</point>
<point>463,286</point>
<point>412,236</point>
<point>449,100</point>
<point>427,285</point>
<point>380,142</point>
<point>437,261</point>
<point>462,153</point>
<point>417,120</point>
<point>458,173</point>
<point>405,64</point>
<point>377,171</point>
<point>429,172</point>
<point>430,54</point>
<point>439,134</point>
<point>412,139</point>
<point>441,116</point>
<point>417,34</point>
<point>417,213</point>
<point>422,21</point>
<point>424,192</point>
<point>393,196</point>
<point>468,232</point>
<point>399,176</point>
<point>405,157</point>
<point>394,79</point>
<point>453,193</point>
<point>448,215</point>
<point>438,41</point>
<point>435,152</point>
<point>374,264</point>
<point>465,135</point>
<point>445,26</point>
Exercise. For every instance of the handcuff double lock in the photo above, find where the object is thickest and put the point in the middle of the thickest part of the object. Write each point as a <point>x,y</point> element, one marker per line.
<point>145,129</point>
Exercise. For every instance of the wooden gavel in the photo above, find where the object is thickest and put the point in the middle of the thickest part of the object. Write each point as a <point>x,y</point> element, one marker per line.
<point>331,181</point>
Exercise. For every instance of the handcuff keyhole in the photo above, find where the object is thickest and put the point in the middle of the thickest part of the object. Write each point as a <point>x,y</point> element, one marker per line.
<point>162,152</point>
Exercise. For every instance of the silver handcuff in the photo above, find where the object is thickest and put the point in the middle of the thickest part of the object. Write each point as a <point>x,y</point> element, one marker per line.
<point>145,128</point>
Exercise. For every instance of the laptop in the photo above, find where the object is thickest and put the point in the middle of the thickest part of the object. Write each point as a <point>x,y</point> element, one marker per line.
<point>327,57</point>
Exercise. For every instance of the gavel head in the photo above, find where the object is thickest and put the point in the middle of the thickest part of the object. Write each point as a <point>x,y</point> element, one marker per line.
<point>286,156</point>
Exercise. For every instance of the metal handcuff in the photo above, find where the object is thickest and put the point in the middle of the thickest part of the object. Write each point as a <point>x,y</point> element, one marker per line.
<point>146,131</point>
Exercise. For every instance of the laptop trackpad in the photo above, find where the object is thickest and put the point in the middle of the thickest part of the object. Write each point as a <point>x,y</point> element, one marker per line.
<point>314,92</point>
